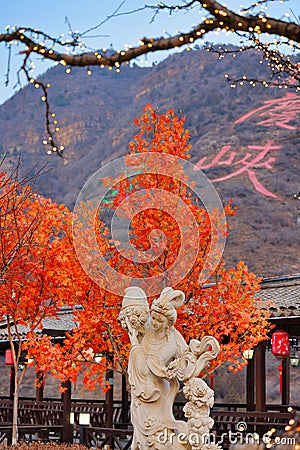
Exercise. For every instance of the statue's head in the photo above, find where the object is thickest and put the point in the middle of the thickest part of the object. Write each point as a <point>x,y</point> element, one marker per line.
<point>167,303</point>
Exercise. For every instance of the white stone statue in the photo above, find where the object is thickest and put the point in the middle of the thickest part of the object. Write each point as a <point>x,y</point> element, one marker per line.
<point>159,359</point>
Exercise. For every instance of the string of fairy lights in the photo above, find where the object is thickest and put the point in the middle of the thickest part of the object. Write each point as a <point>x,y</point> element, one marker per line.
<point>285,73</point>
<point>289,437</point>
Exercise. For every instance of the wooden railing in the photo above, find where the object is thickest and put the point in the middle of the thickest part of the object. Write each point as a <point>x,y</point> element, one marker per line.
<point>236,426</point>
<point>115,438</point>
<point>44,421</point>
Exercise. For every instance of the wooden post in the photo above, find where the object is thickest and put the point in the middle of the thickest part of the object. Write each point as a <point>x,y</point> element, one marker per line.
<point>11,382</point>
<point>260,377</point>
<point>125,402</point>
<point>39,392</point>
<point>250,385</point>
<point>109,404</point>
<point>66,400</point>
<point>109,401</point>
<point>211,380</point>
<point>285,393</point>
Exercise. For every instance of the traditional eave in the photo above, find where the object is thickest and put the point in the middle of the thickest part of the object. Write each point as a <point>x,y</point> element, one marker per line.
<point>52,326</point>
<point>281,295</point>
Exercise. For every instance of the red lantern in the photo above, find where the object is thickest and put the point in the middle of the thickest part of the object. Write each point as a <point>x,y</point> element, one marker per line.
<point>9,358</point>
<point>280,344</point>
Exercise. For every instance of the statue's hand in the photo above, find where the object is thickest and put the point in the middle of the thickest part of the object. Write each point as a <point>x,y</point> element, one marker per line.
<point>171,370</point>
<point>132,333</point>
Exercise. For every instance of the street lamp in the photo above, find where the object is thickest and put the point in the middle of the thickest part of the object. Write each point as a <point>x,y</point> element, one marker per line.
<point>294,359</point>
<point>248,354</point>
<point>98,357</point>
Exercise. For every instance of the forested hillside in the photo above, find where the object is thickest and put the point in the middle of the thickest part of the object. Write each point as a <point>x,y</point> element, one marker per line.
<point>245,139</point>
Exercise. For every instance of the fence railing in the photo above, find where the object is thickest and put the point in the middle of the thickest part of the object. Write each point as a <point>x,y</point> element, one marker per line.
<point>44,421</point>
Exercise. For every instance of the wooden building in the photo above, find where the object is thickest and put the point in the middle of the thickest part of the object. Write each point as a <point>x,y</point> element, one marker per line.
<point>280,295</point>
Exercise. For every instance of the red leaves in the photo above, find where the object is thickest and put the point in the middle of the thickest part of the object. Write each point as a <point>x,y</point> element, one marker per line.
<point>228,309</point>
<point>161,133</point>
<point>42,273</point>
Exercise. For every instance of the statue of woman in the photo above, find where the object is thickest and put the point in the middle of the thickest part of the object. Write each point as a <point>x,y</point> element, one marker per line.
<point>152,390</point>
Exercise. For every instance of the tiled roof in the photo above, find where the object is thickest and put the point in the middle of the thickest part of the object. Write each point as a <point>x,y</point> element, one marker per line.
<point>281,295</point>
<point>54,326</point>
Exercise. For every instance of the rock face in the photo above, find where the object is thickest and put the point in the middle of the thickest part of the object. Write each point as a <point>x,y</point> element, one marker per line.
<point>160,359</point>
<point>244,139</point>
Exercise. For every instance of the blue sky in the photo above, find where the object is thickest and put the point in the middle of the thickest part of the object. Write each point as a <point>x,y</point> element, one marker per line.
<point>118,31</point>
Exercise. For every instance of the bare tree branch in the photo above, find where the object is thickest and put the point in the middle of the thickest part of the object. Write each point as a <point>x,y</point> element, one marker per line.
<point>218,17</point>
<point>284,72</point>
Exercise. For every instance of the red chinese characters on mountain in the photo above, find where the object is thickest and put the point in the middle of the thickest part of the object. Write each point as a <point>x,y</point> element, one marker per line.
<point>280,112</point>
<point>259,157</point>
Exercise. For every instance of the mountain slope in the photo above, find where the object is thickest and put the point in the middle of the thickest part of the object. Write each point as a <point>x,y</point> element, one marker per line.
<point>244,139</point>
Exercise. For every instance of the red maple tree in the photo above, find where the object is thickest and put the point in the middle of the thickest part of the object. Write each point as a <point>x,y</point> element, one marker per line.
<point>225,305</point>
<point>34,268</point>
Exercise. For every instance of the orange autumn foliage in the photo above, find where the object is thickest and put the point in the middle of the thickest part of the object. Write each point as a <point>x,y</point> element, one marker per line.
<point>34,271</point>
<point>225,304</point>
<point>32,256</point>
